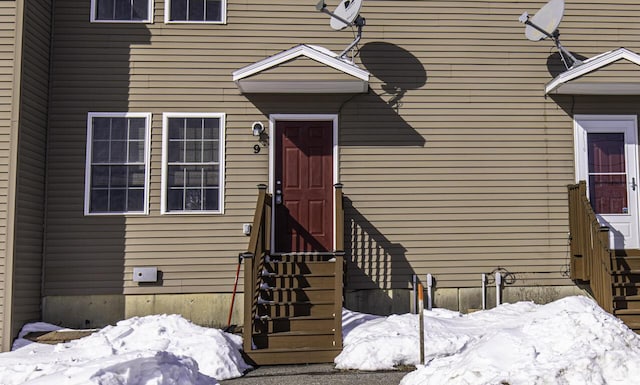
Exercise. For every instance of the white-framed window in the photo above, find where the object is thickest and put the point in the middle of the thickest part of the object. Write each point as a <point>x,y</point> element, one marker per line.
<point>193,163</point>
<point>117,164</point>
<point>195,11</point>
<point>122,11</point>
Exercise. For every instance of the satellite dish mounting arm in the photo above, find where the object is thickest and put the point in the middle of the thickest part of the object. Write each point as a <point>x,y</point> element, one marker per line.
<point>555,36</point>
<point>322,7</point>
<point>359,22</point>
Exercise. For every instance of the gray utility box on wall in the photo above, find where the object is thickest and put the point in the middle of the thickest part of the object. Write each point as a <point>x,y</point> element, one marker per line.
<point>145,274</point>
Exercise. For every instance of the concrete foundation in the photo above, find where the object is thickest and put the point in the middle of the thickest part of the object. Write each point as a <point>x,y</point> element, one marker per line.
<point>381,302</point>
<point>95,311</point>
<point>464,300</point>
<point>212,310</point>
<point>83,312</point>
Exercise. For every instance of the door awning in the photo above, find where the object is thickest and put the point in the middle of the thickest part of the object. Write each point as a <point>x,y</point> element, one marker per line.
<point>611,73</point>
<point>302,69</point>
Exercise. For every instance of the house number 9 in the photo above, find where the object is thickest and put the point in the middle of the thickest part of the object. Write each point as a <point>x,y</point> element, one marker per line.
<point>256,149</point>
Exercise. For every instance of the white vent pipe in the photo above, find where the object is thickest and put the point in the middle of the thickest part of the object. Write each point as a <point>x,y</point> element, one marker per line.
<point>429,291</point>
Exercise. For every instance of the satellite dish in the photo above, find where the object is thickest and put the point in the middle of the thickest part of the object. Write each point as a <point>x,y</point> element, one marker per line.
<point>548,19</point>
<point>347,11</point>
<point>346,14</point>
<point>544,24</point>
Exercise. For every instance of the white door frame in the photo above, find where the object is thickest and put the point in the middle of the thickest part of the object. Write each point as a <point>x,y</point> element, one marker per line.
<point>273,118</point>
<point>625,232</point>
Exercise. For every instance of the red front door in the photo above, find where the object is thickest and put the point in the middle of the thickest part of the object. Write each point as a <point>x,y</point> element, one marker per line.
<point>303,191</point>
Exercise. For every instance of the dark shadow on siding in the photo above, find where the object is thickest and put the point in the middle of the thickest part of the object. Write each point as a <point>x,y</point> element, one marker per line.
<point>374,264</point>
<point>90,73</point>
<point>598,104</point>
<point>365,119</point>
<point>30,178</point>
<point>398,70</point>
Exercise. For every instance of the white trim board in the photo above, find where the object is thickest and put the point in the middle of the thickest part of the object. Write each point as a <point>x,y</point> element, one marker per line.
<point>319,54</point>
<point>588,66</point>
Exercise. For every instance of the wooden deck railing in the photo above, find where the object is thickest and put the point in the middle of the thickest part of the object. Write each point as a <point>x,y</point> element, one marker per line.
<point>339,271</point>
<point>259,246</point>
<point>591,255</point>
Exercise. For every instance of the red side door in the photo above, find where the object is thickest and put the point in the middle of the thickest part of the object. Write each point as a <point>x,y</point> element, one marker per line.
<point>303,191</point>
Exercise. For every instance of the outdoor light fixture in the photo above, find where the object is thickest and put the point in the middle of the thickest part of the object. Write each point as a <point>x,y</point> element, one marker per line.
<point>257,128</point>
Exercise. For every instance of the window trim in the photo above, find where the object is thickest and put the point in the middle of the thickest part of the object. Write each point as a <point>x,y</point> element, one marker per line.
<point>167,15</point>
<point>94,15</point>
<point>165,155</point>
<point>89,153</point>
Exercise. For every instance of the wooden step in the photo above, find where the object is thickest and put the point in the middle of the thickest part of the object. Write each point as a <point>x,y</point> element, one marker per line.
<point>300,281</point>
<point>628,316</point>
<point>295,268</point>
<point>295,317</point>
<point>626,262</point>
<point>290,356</point>
<point>303,257</point>
<point>626,302</point>
<point>635,326</point>
<point>295,324</point>
<point>623,277</point>
<point>294,340</point>
<point>298,295</point>
<point>296,309</point>
<point>626,271</point>
<point>626,288</point>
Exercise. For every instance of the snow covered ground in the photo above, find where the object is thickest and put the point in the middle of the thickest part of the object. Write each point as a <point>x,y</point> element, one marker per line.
<point>568,342</point>
<point>571,341</point>
<point>152,350</point>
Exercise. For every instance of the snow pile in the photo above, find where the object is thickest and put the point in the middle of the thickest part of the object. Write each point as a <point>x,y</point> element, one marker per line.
<point>158,350</point>
<point>32,327</point>
<point>570,342</point>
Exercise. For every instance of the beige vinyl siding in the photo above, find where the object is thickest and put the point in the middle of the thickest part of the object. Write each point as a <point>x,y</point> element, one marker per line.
<point>31,164</point>
<point>465,174</point>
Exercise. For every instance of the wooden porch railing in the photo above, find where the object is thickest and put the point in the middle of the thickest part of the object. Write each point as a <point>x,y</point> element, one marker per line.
<point>590,253</point>
<point>339,256</point>
<point>259,246</point>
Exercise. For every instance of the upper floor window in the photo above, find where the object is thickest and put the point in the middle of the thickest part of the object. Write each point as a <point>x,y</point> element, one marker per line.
<point>137,11</point>
<point>193,163</point>
<point>195,11</point>
<point>117,170</point>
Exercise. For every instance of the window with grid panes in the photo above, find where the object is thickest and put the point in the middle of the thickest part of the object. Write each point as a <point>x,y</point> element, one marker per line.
<point>195,11</point>
<point>122,10</point>
<point>117,163</point>
<point>193,156</point>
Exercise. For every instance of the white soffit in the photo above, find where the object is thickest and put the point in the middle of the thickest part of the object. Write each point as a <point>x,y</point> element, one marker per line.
<point>359,83</point>
<point>561,84</point>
